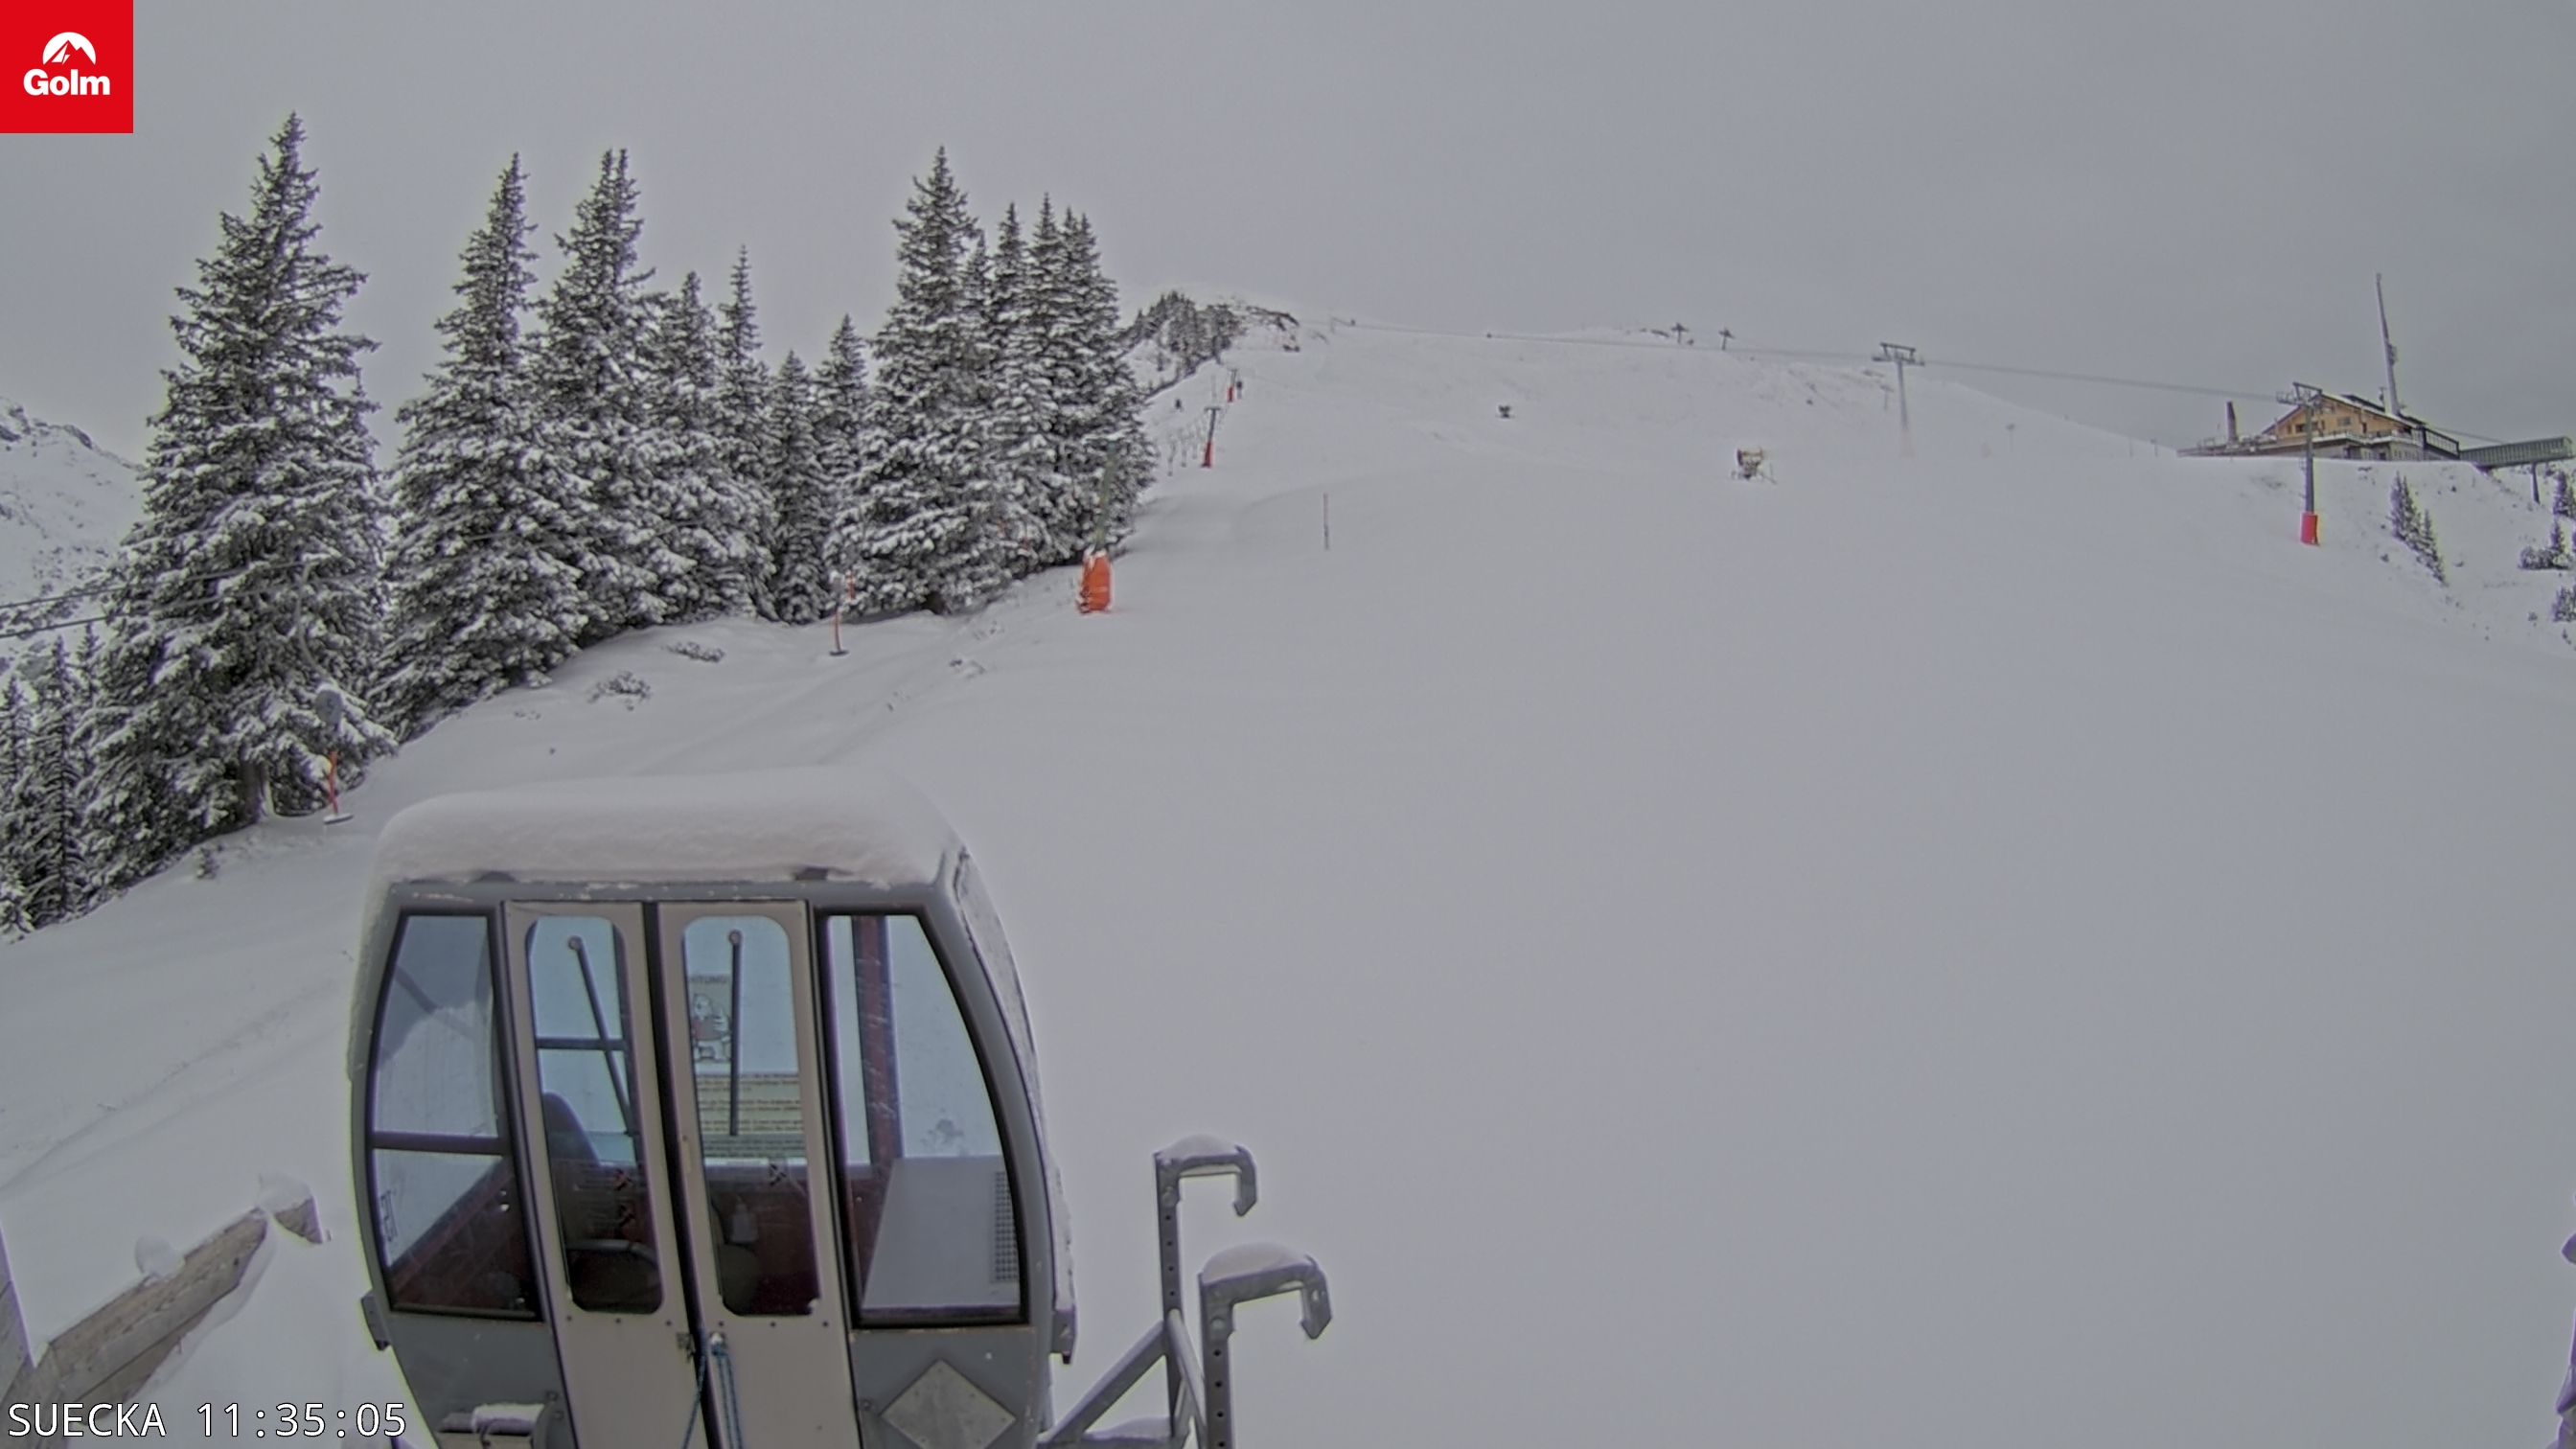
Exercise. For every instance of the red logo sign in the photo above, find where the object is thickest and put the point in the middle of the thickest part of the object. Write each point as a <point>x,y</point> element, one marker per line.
<point>67,65</point>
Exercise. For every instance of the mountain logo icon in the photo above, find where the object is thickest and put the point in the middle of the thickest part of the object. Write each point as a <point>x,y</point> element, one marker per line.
<point>73,88</point>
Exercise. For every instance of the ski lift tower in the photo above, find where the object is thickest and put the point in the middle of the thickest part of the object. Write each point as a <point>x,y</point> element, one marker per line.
<point>1904,357</point>
<point>2308,401</point>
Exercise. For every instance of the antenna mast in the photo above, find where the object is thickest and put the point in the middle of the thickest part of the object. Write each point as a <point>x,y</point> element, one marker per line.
<point>2379,285</point>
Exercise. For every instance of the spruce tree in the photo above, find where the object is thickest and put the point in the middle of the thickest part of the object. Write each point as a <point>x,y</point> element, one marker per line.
<point>741,422</point>
<point>988,565</point>
<point>920,533</point>
<point>801,586</point>
<point>1021,447</point>
<point>1063,502</point>
<point>44,805</point>
<point>485,592</point>
<point>840,420</point>
<point>592,402</point>
<point>1103,446</point>
<point>2413,526</point>
<point>13,829</point>
<point>248,597</point>
<point>709,517</point>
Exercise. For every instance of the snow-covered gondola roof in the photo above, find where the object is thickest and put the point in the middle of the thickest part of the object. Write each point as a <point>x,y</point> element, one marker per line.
<point>761,825</point>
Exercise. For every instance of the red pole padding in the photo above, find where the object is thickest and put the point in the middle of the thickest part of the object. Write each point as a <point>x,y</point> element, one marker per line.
<point>1095,583</point>
<point>2308,529</point>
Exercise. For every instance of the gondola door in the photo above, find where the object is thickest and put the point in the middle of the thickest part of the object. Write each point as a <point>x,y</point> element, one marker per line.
<point>751,1144</point>
<point>588,1071</point>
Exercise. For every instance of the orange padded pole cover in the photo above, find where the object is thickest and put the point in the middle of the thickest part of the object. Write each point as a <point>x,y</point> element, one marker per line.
<point>1095,583</point>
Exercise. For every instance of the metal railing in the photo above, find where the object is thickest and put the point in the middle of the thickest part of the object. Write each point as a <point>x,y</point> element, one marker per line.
<point>1199,1382</point>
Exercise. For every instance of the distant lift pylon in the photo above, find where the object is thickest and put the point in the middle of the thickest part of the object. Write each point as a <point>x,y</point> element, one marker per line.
<point>704,1111</point>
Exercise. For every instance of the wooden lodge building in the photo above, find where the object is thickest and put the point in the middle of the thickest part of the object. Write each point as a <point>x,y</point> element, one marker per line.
<point>2337,427</point>
<point>2355,427</point>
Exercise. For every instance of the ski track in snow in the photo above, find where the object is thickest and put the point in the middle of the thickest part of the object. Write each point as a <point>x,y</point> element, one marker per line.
<point>1981,949</point>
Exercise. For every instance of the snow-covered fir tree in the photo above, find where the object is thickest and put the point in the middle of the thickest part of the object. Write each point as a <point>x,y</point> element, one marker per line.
<point>485,592</point>
<point>801,585</point>
<point>840,422</point>
<point>248,597</point>
<point>921,532</point>
<point>1103,448</point>
<point>2413,526</point>
<point>13,765</point>
<point>741,421</point>
<point>1022,445</point>
<point>1003,529</point>
<point>1066,504</point>
<point>592,409</point>
<point>710,515</point>
<point>44,859</point>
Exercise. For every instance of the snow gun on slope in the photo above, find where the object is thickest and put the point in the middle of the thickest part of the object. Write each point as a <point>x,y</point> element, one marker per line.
<point>704,1110</point>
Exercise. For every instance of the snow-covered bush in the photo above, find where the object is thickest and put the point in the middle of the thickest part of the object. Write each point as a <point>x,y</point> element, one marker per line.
<point>2555,556</point>
<point>625,684</point>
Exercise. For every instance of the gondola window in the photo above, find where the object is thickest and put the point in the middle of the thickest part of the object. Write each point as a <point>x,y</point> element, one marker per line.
<point>586,1084</point>
<point>751,1115</point>
<point>933,1233</point>
<point>445,1188</point>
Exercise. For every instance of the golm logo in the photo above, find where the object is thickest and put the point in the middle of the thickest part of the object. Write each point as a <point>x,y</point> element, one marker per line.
<point>60,51</point>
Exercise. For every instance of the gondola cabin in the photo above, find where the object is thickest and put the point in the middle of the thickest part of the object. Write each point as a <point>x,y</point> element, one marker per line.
<point>701,1108</point>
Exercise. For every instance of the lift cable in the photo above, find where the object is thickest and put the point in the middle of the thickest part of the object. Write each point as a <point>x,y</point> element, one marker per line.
<point>33,630</point>
<point>1744,348</point>
<point>15,614</point>
<point>2182,387</point>
<point>43,601</point>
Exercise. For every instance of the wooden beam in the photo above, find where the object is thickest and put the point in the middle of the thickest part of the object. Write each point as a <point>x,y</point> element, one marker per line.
<point>107,1356</point>
<point>17,1364</point>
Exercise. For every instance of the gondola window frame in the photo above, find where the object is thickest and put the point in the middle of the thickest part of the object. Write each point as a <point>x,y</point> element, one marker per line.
<point>858,1245</point>
<point>502,1147</point>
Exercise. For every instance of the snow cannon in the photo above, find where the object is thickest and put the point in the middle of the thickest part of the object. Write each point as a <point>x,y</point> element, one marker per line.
<point>704,1110</point>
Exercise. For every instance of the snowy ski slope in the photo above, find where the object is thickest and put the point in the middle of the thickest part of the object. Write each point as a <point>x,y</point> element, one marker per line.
<point>1997,948</point>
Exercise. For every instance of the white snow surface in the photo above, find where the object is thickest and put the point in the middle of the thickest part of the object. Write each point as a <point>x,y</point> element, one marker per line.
<point>1996,948</point>
<point>65,505</point>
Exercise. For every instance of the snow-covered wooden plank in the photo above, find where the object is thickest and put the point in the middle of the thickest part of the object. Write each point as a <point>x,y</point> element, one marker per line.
<point>108,1355</point>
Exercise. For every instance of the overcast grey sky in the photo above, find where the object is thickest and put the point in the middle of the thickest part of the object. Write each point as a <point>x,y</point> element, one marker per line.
<point>2185,190</point>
